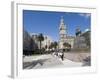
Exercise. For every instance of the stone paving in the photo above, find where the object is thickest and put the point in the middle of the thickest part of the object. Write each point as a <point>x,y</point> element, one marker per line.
<point>52,61</point>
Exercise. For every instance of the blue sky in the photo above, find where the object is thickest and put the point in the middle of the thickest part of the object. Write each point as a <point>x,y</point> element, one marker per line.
<point>47,22</point>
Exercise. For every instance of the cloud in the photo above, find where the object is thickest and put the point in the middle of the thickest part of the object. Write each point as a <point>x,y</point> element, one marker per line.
<point>86,15</point>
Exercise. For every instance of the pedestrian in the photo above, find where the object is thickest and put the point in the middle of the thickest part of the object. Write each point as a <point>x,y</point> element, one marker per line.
<point>62,56</point>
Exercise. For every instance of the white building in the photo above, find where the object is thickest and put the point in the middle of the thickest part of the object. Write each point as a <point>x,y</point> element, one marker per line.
<point>45,43</point>
<point>63,34</point>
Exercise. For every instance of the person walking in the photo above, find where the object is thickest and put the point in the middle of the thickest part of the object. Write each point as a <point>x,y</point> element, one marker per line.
<point>62,56</point>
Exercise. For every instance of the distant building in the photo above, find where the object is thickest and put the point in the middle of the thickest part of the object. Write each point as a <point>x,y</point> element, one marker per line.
<point>87,35</point>
<point>45,43</point>
<point>63,34</point>
<point>36,43</point>
<point>28,42</point>
<point>79,42</point>
<point>82,39</point>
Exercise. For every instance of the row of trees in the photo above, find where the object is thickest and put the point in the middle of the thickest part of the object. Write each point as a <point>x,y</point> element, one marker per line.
<point>40,50</point>
<point>53,44</point>
<point>67,45</point>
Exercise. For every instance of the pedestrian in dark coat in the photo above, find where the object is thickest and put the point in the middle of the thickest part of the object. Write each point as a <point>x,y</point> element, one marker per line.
<point>62,56</point>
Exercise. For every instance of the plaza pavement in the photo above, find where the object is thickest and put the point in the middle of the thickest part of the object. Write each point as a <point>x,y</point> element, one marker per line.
<point>52,61</point>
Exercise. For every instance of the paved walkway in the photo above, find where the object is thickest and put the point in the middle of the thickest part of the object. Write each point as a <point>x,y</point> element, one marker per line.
<point>76,57</point>
<point>49,61</point>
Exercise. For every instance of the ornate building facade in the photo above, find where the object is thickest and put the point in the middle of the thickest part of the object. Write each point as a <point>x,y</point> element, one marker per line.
<point>63,34</point>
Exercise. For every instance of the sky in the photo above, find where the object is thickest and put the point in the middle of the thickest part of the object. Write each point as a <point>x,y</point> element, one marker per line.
<point>48,22</point>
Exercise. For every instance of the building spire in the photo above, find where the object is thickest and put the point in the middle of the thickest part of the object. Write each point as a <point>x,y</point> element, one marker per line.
<point>62,24</point>
<point>62,20</point>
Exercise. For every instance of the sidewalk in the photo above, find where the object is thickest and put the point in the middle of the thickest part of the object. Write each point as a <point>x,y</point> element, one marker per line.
<point>48,61</point>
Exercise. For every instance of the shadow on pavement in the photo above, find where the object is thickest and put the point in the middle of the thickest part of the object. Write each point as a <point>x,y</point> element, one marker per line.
<point>32,64</point>
<point>87,61</point>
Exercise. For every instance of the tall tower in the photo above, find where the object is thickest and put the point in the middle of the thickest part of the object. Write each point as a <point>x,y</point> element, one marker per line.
<point>62,33</point>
